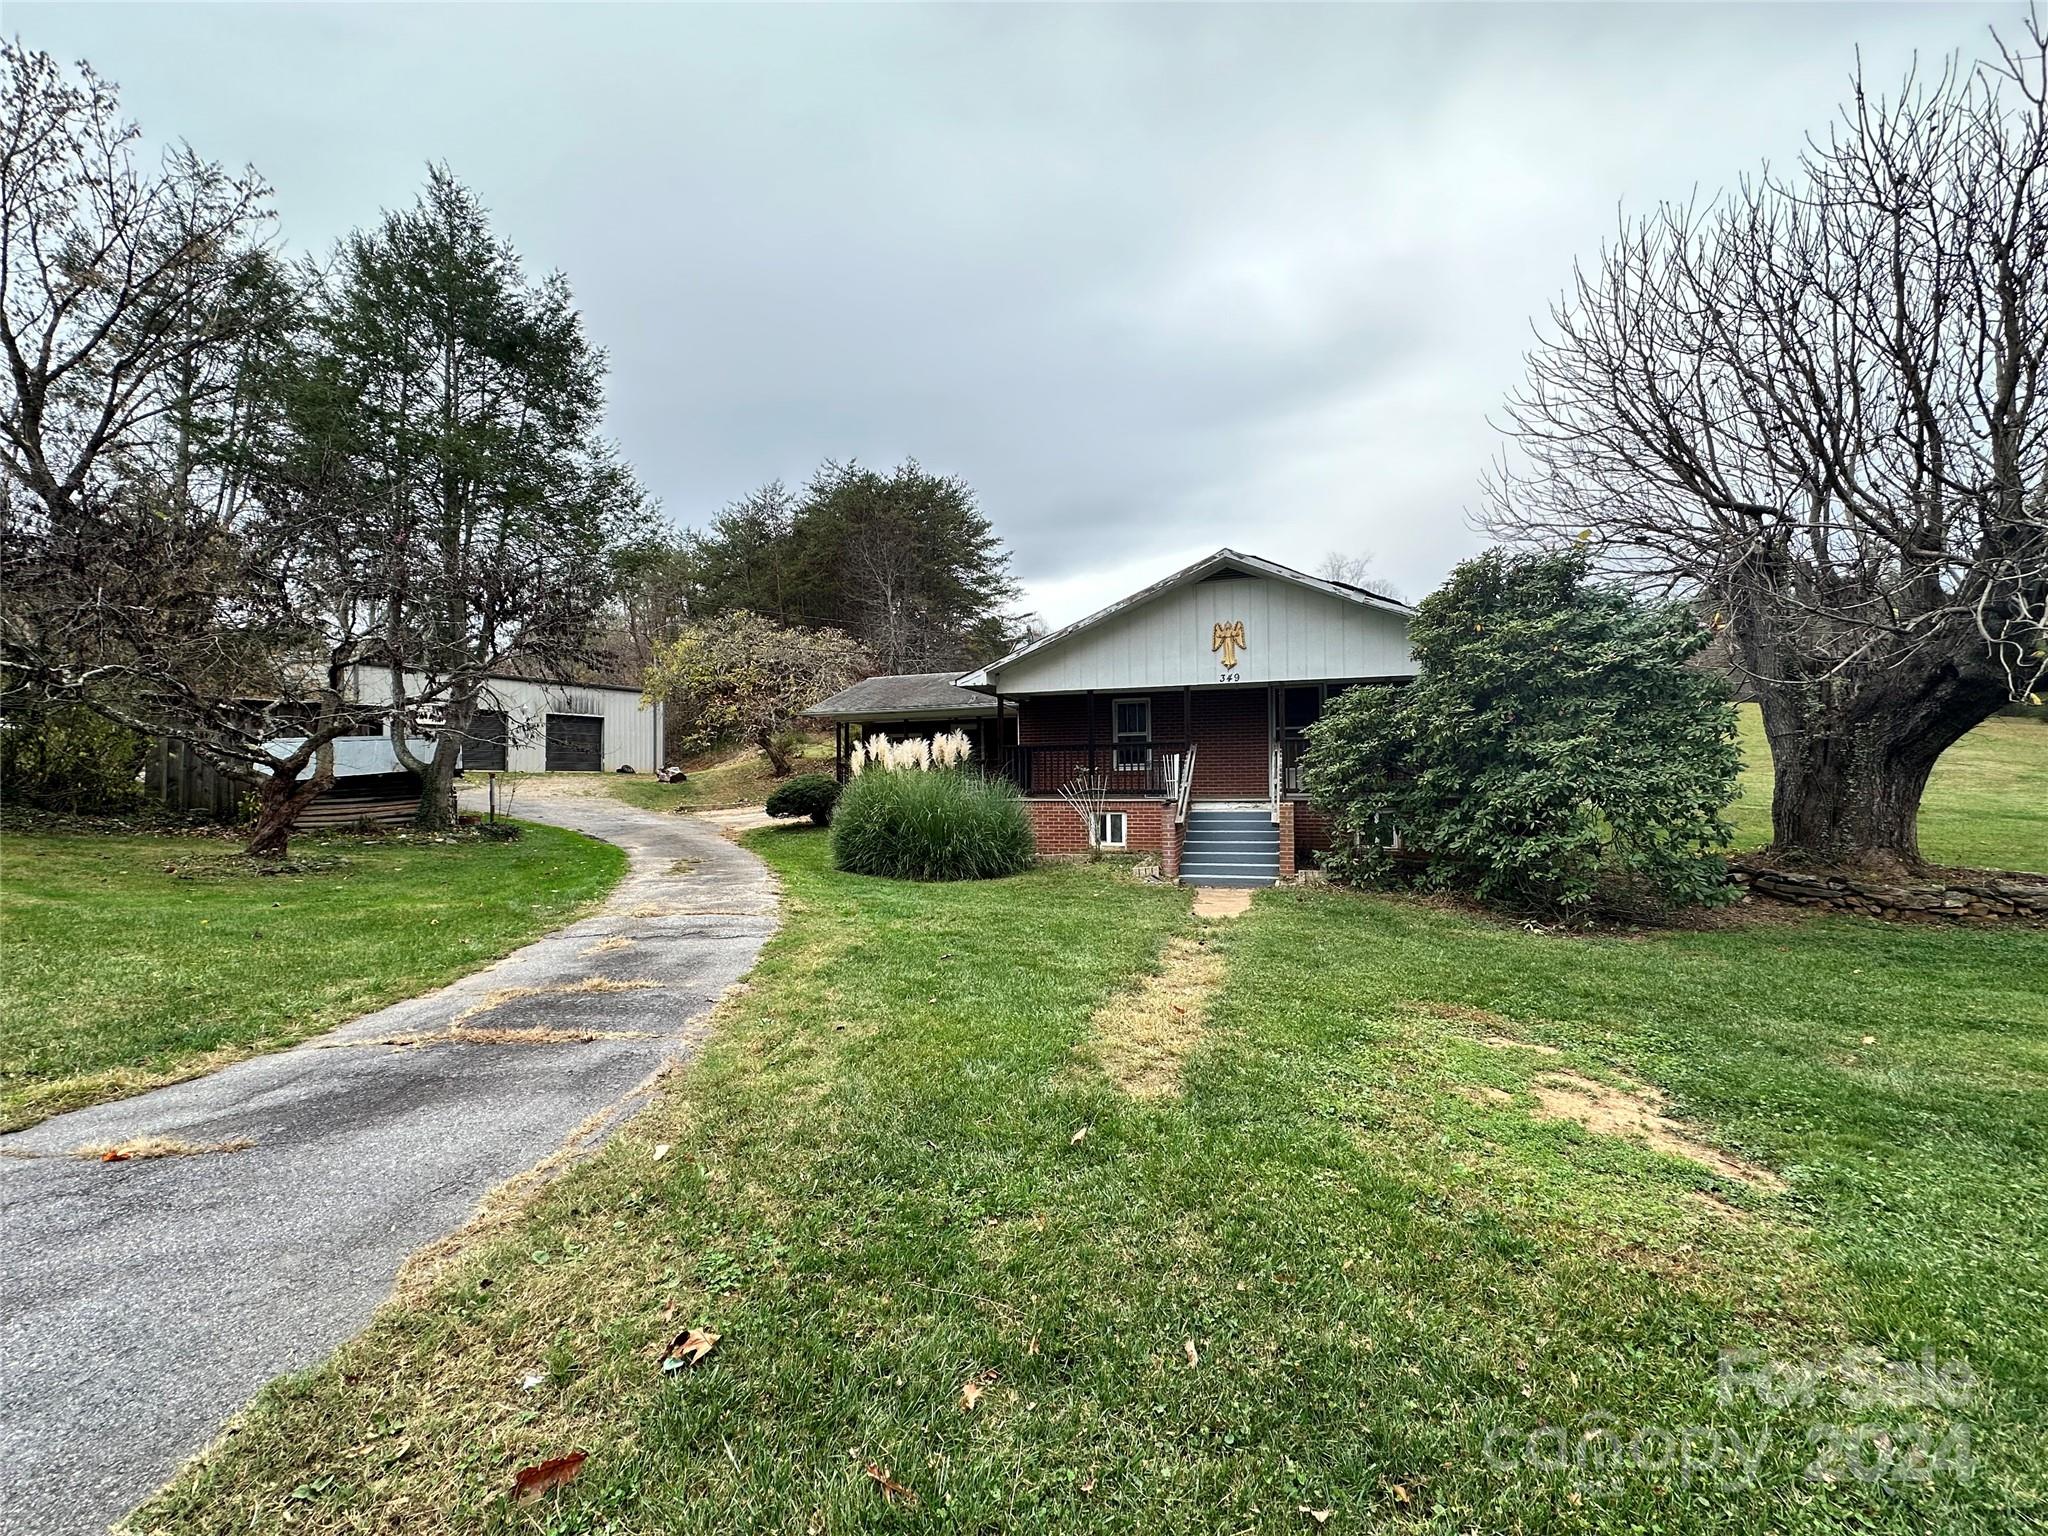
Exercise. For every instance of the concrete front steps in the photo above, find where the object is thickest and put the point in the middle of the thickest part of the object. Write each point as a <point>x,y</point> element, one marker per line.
<point>1230,846</point>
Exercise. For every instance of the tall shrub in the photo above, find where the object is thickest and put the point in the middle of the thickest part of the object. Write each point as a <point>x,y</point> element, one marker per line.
<point>65,757</point>
<point>940,824</point>
<point>1555,747</point>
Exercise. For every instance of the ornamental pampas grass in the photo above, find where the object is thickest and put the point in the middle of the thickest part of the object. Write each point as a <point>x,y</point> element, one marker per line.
<point>914,754</point>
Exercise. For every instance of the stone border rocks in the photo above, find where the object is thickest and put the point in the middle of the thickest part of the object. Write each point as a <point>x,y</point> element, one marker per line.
<point>1970,896</point>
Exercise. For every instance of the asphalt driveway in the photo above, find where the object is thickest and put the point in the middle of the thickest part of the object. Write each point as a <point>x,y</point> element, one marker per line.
<point>142,1303</point>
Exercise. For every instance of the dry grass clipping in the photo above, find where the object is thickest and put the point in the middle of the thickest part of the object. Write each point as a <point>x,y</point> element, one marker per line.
<point>504,995</point>
<point>1637,1114</point>
<point>142,1148</point>
<point>1142,1036</point>
<point>610,946</point>
<point>456,1034</point>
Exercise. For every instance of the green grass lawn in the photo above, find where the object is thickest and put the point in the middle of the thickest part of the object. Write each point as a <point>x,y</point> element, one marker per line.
<point>726,781</point>
<point>133,961</point>
<point>1985,800</point>
<point>1345,1268</point>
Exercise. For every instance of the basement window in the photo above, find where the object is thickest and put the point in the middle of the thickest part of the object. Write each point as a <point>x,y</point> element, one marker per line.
<point>1109,829</point>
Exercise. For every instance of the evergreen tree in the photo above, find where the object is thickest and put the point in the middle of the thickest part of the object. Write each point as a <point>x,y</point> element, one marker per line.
<point>460,402</point>
<point>905,562</point>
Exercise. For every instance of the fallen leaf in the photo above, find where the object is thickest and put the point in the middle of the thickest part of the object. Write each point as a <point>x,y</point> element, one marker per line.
<point>1318,1517</point>
<point>892,1490</point>
<point>1193,1357</point>
<point>1088,1482</point>
<point>1078,1137</point>
<point>113,1155</point>
<point>661,1151</point>
<point>1400,1493</point>
<point>532,1482</point>
<point>687,1348</point>
<point>971,1392</point>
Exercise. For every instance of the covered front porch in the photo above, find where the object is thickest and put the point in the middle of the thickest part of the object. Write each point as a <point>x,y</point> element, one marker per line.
<point>1219,744</point>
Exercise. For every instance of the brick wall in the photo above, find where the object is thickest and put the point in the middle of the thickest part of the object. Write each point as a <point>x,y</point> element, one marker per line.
<point>1311,833</point>
<point>1061,836</point>
<point>1062,718</point>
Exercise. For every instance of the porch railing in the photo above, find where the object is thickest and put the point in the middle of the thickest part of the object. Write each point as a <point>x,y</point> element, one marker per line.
<point>1292,750</point>
<point>1128,770</point>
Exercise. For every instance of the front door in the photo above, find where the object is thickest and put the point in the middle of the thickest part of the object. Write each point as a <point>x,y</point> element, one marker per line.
<point>575,744</point>
<point>1300,707</point>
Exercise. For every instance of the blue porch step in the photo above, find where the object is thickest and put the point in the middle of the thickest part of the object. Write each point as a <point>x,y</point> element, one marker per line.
<point>1230,847</point>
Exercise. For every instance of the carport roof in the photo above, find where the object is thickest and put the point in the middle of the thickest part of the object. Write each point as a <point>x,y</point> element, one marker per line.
<point>904,696</point>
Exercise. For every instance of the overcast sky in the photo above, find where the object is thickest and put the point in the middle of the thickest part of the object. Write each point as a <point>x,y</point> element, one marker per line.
<point>1153,279</point>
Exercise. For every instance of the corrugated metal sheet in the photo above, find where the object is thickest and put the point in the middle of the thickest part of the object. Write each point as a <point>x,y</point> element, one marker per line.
<point>357,756</point>
<point>389,812</point>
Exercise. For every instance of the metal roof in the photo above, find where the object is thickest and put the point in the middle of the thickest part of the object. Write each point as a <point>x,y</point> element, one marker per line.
<point>1223,559</point>
<point>903,696</point>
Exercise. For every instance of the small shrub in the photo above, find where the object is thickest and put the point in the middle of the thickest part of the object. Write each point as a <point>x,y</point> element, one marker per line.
<point>930,825</point>
<point>808,794</point>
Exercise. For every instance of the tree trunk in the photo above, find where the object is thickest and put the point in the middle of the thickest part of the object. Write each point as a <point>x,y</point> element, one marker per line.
<point>437,782</point>
<point>1850,768</point>
<point>279,802</point>
<point>771,747</point>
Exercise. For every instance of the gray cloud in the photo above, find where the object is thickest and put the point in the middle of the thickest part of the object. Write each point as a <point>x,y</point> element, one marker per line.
<point>1153,279</point>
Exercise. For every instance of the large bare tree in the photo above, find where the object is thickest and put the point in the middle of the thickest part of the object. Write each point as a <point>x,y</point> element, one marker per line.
<point>1817,402</point>
<point>141,576</point>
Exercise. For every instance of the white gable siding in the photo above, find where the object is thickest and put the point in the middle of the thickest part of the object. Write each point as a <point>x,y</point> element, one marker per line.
<point>1291,634</point>
<point>632,730</point>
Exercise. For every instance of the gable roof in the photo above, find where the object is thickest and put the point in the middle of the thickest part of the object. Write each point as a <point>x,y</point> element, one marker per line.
<point>903,696</point>
<point>1222,560</point>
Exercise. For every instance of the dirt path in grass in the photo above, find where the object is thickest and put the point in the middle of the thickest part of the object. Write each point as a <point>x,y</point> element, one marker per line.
<point>145,1298</point>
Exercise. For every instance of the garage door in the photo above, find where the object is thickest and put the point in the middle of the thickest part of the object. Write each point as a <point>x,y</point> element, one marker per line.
<point>483,750</point>
<point>575,744</point>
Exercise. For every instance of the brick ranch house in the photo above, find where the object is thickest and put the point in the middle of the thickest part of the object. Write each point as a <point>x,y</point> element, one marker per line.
<point>1190,698</point>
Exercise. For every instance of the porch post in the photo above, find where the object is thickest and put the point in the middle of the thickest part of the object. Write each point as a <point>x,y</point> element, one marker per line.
<point>1089,700</point>
<point>1187,731</point>
<point>1275,710</point>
